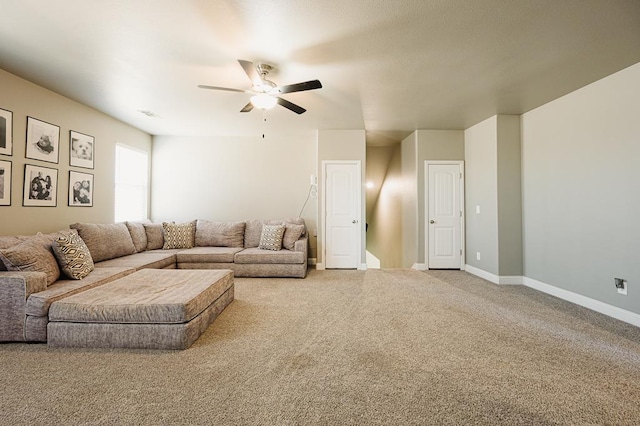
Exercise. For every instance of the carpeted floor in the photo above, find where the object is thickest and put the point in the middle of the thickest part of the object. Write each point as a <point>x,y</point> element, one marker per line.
<point>350,348</point>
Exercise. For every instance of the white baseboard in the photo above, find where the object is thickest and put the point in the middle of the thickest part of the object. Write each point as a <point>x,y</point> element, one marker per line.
<point>510,280</point>
<point>320,266</point>
<point>482,274</point>
<point>311,260</point>
<point>500,280</point>
<point>362,267</point>
<point>587,302</point>
<point>569,296</point>
<point>419,266</point>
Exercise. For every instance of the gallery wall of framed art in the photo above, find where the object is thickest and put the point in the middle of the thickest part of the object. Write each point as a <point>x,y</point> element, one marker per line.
<point>47,140</point>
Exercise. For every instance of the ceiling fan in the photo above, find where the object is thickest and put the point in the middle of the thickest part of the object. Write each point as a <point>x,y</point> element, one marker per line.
<point>265,93</point>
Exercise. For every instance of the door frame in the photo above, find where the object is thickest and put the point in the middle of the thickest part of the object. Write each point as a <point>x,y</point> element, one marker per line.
<point>460,164</point>
<point>323,212</point>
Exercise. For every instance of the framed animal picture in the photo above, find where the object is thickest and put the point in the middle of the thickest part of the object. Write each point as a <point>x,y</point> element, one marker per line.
<point>6,132</point>
<point>43,140</point>
<point>5,183</point>
<point>40,186</point>
<point>80,189</point>
<point>82,150</point>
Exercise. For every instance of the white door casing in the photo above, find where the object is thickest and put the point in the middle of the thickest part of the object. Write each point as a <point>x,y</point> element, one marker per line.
<point>342,206</point>
<point>444,219</point>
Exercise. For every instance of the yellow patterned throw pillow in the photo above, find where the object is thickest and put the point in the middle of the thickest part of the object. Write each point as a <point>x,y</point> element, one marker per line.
<point>178,235</point>
<point>73,256</point>
<point>271,237</point>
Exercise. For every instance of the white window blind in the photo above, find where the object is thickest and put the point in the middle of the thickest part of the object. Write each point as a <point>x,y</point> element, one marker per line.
<point>131,184</point>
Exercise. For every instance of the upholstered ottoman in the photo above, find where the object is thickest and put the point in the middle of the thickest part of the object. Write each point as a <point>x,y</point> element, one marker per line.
<point>149,309</point>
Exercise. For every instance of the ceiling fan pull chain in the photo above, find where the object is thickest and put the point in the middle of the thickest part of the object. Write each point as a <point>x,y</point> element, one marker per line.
<point>264,121</point>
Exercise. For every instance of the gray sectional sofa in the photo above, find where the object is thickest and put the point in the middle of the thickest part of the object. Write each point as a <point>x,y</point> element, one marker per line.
<point>120,249</point>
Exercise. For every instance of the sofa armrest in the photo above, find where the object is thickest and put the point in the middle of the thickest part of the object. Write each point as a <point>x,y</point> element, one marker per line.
<point>301,245</point>
<point>15,289</point>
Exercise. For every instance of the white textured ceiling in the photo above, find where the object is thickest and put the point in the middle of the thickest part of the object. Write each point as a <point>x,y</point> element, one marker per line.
<point>388,67</point>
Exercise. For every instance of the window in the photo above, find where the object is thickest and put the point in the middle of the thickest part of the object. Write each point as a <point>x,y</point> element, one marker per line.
<point>132,170</point>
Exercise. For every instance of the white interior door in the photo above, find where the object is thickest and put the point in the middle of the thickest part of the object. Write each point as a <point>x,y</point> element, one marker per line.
<point>342,229</point>
<point>444,218</point>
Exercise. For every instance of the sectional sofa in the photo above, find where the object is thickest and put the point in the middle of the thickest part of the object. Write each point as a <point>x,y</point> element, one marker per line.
<point>117,250</point>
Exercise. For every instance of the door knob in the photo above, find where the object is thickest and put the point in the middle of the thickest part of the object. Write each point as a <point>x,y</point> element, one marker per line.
<point>354,221</point>
<point>432,221</point>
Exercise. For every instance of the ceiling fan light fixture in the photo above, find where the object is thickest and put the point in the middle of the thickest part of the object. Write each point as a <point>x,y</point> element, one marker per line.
<point>264,101</point>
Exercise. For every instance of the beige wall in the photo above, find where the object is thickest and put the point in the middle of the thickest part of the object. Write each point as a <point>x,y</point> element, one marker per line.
<point>409,182</point>
<point>234,178</point>
<point>581,180</point>
<point>384,237</point>
<point>481,174</point>
<point>27,99</point>
<point>341,145</point>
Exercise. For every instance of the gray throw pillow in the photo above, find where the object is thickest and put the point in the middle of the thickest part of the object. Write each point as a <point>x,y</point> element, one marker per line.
<point>292,233</point>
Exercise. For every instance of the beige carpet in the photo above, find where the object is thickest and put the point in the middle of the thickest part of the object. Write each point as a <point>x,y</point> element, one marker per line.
<point>350,348</point>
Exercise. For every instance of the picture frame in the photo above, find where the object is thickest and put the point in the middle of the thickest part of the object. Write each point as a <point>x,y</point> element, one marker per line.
<point>43,141</point>
<point>6,132</point>
<point>81,189</point>
<point>40,186</point>
<point>5,183</point>
<point>81,150</point>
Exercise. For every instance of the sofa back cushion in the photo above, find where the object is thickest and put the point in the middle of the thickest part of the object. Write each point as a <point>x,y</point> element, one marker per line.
<point>105,241</point>
<point>138,235</point>
<point>155,235</point>
<point>33,255</point>
<point>220,234</point>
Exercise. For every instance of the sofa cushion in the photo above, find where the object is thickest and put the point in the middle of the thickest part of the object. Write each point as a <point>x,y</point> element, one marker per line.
<point>208,255</point>
<point>38,303</point>
<point>155,235</point>
<point>292,233</point>
<point>259,256</point>
<point>35,255</point>
<point>219,234</point>
<point>138,235</point>
<point>271,237</point>
<point>154,260</point>
<point>73,256</point>
<point>178,235</point>
<point>105,241</point>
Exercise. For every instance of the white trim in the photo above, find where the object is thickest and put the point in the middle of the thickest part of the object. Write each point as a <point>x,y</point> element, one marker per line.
<point>362,220</point>
<point>510,280</point>
<point>587,302</point>
<point>482,274</point>
<point>362,267</point>
<point>419,266</point>
<point>320,267</point>
<point>460,164</point>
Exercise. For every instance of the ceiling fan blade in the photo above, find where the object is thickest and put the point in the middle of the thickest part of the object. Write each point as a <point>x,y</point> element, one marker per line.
<point>291,106</point>
<point>301,87</point>
<point>251,71</point>
<point>248,107</point>
<point>203,86</point>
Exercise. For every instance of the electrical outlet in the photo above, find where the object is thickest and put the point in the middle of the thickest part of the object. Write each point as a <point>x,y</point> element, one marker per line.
<point>621,285</point>
<point>477,255</point>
